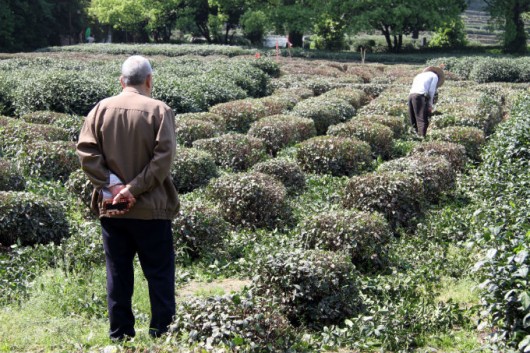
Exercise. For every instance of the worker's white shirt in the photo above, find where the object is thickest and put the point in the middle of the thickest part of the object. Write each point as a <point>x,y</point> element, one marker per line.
<point>425,83</point>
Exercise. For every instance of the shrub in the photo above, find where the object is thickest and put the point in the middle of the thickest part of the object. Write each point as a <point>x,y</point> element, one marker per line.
<point>30,219</point>
<point>453,152</point>
<point>239,322</point>
<point>334,155</point>
<point>251,199</point>
<point>398,196</point>
<point>14,134</point>
<point>436,172</point>
<point>324,111</point>
<point>254,25</point>
<point>279,131</point>
<point>379,137</point>
<point>10,178</point>
<point>201,230</point>
<point>240,114</point>
<point>365,236</point>
<point>232,150</point>
<point>288,172</point>
<point>470,137</point>
<point>395,123</point>
<point>356,97</point>
<point>53,160</point>
<point>79,185</point>
<point>314,287</point>
<point>278,104</point>
<point>188,129</point>
<point>43,117</point>
<point>495,70</point>
<point>192,168</point>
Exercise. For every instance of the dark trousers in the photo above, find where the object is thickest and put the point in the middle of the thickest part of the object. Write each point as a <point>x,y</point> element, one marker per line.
<point>153,241</point>
<point>419,113</point>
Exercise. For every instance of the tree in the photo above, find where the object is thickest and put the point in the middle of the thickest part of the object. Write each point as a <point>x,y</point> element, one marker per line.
<point>509,15</point>
<point>293,17</point>
<point>395,18</point>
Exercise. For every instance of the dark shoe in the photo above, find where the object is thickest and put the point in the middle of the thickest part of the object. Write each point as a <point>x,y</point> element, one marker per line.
<point>122,338</point>
<point>156,333</point>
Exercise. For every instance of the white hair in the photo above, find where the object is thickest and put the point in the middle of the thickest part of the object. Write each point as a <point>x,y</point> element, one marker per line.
<point>135,70</point>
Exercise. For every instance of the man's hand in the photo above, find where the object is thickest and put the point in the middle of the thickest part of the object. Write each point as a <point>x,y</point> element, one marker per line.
<point>121,193</point>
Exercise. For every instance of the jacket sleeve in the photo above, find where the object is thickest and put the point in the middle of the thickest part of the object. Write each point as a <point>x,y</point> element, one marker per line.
<point>159,166</point>
<point>90,154</point>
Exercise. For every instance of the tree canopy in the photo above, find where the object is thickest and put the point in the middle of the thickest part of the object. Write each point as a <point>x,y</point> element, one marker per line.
<point>508,14</point>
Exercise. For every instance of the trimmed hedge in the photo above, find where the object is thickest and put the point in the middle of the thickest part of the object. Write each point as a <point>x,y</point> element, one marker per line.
<point>251,199</point>
<point>279,131</point>
<point>356,97</point>
<point>29,219</point>
<point>236,151</point>
<point>364,235</point>
<point>278,104</point>
<point>189,129</point>
<point>238,322</point>
<point>201,230</point>
<point>325,111</point>
<point>192,168</point>
<point>334,155</point>
<point>398,196</point>
<point>378,136</point>
<point>470,137</point>
<point>240,114</point>
<point>437,174</point>
<point>455,153</point>
<point>395,123</point>
<point>10,178</point>
<point>50,160</point>
<point>286,171</point>
<point>79,184</point>
<point>315,288</point>
<point>15,134</point>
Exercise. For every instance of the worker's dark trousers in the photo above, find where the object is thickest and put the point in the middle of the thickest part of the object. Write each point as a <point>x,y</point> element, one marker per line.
<point>153,241</point>
<point>419,113</point>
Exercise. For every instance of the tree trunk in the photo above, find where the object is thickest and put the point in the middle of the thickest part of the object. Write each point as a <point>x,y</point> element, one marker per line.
<point>386,32</point>
<point>514,33</point>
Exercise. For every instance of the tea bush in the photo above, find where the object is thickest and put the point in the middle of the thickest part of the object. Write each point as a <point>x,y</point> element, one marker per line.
<point>10,178</point>
<point>334,155</point>
<point>284,170</point>
<point>278,104</point>
<point>43,117</point>
<point>398,196</point>
<point>364,235</point>
<point>378,136</point>
<point>236,151</point>
<point>79,185</point>
<point>14,134</point>
<point>201,230</point>
<point>251,199</point>
<point>395,123</point>
<point>30,219</point>
<point>192,168</point>
<point>437,174</point>
<point>356,97</point>
<point>239,322</point>
<point>240,114</point>
<point>189,129</point>
<point>499,189</point>
<point>454,153</point>
<point>53,160</point>
<point>314,287</point>
<point>470,137</point>
<point>325,111</point>
<point>279,131</point>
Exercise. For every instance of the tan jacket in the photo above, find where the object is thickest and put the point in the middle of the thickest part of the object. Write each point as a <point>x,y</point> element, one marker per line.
<point>132,136</point>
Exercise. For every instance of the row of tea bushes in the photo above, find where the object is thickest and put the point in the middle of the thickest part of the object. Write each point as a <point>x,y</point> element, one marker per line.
<point>487,69</point>
<point>169,50</point>
<point>185,84</point>
<point>44,220</point>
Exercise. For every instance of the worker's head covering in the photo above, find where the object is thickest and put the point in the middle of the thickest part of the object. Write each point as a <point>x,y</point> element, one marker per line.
<point>438,71</point>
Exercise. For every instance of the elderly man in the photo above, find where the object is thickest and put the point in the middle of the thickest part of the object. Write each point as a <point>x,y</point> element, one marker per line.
<point>421,97</point>
<point>126,147</point>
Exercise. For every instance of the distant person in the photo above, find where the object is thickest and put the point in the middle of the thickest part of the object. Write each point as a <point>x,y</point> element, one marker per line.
<point>126,147</point>
<point>88,35</point>
<point>421,97</point>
